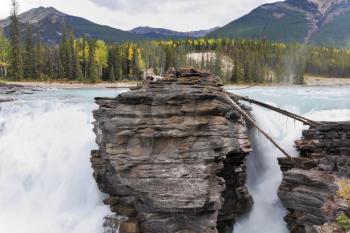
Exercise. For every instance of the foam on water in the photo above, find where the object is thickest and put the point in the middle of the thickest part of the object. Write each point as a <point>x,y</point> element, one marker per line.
<point>264,175</point>
<point>46,183</point>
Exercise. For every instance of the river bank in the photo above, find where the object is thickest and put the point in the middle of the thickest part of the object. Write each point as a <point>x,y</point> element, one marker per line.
<point>309,81</point>
<point>75,85</point>
<point>318,81</point>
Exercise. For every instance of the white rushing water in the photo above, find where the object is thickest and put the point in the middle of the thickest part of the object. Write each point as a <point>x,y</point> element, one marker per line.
<point>264,175</point>
<point>46,183</point>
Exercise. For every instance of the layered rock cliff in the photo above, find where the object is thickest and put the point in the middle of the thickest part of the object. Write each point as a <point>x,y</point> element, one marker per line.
<point>172,156</point>
<point>310,183</point>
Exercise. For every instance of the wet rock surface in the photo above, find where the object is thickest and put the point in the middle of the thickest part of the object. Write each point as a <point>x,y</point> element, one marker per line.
<point>172,156</point>
<point>14,89</point>
<point>6,99</point>
<point>310,183</point>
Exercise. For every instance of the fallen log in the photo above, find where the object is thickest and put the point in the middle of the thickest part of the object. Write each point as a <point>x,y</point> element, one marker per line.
<point>281,111</point>
<point>252,121</point>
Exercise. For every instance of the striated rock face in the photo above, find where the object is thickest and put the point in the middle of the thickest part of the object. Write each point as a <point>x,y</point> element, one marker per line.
<point>172,156</point>
<point>310,183</point>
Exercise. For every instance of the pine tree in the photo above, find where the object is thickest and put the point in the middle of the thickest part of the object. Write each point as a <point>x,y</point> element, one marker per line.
<point>300,70</point>
<point>252,61</point>
<point>85,56</point>
<point>111,77</point>
<point>119,60</point>
<point>202,62</point>
<point>77,72</point>
<point>218,67</point>
<point>39,58</point>
<point>29,56</point>
<point>71,58</point>
<point>234,75</point>
<point>111,61</point>
<point>65,50</point>
<point>92,67</point>
<point>246,70</point>
<point>16,64</point>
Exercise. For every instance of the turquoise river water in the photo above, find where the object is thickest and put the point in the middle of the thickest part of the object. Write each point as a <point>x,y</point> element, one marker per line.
<point>46,183</point>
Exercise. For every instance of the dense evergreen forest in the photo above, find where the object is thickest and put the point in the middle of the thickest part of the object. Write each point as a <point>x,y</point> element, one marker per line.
<point>234,60</point>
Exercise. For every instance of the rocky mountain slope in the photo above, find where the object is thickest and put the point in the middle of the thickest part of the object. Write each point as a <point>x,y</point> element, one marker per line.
<point>305,21</point>
<point>161,33</point>
<point>49,21</point>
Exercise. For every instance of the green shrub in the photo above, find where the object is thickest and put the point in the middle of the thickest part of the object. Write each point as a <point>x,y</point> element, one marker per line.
<point>344,221</point>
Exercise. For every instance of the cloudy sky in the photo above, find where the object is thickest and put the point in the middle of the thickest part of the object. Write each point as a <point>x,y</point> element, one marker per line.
<point>182,15</point>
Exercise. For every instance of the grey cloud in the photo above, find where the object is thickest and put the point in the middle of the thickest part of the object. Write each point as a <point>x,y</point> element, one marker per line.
<point>142,6</point>
<point>177,14</point>
<point>181,15</point>
<point>109,4</point>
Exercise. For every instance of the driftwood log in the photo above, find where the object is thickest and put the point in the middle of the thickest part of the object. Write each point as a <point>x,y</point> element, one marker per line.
<point>252,121</point>
<point>281,111</point>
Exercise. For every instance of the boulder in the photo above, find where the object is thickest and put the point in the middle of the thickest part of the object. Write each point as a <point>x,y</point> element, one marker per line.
<point>15,89</point>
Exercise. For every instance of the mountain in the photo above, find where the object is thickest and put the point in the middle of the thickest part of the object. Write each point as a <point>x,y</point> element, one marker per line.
<point>161,33</point>
<point>320,22</point>
<point>49,21</point>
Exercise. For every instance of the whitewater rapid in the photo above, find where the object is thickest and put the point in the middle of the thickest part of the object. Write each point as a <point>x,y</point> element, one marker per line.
<point>46,183</point>
<point>264,175</point>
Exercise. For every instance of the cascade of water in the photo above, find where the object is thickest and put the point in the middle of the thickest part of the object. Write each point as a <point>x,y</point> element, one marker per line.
<point>264,175</point>
<point>46,185</point>
<point>45,176</point>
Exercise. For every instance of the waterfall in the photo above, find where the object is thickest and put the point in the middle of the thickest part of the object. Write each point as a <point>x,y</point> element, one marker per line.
<point>264,175</point>
<point>46,183</point>
<point>46,178</point>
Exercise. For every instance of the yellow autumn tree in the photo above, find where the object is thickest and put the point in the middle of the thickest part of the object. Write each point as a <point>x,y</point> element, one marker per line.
<point>4,54</point>
<point>83,49</point>
<point>344,189</point>
<point>101,55</point>
<point>131,58</point>
<point>140,62</point>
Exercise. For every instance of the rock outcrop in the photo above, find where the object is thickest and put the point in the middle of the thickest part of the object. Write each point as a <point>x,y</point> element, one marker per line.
<point>6,99</point>
<point>172,156</point>
<point>310,183</point>
<point>14,89</point>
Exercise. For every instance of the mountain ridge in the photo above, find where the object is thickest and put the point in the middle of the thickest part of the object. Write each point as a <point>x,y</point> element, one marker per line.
<point>316,22</point>
<point>163,33</point>
<point>302,21</point>
<point>48,22</point>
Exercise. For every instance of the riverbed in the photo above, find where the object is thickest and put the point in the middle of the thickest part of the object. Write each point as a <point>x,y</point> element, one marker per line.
<point>46,178</point>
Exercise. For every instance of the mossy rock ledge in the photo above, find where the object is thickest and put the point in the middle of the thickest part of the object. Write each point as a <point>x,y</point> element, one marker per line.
<point>172,156</point>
